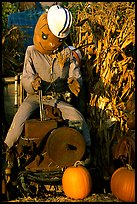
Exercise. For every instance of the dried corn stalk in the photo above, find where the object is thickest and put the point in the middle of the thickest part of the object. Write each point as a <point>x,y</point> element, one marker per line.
<point>107,33</point>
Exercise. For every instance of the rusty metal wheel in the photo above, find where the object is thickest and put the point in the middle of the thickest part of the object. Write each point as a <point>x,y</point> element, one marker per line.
<point>65,146</point>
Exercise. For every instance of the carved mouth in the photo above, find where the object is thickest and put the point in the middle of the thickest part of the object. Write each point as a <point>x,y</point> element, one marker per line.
<point>43,47</point>
<point>53,50</point>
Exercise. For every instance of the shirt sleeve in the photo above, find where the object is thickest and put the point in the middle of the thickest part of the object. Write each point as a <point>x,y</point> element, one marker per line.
<point>28,73</point>
<point>74,70</point>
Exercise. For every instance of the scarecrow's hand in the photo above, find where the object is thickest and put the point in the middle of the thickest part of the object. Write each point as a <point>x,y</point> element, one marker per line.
<point>74,86</point>
<point>36,83</point>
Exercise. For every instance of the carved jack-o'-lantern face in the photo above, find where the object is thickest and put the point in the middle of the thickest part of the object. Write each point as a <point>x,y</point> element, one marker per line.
<point>44,40</point>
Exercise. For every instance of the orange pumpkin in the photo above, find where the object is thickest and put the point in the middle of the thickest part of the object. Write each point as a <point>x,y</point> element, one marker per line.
<point>44,40</point>
<point>76,182</point>
<point>123,184</point>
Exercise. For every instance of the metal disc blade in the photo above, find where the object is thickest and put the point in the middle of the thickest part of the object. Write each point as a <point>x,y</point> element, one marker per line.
<point>65,146</point>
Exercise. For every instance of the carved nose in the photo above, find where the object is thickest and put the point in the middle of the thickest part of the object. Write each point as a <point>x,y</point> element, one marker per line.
<point>52,44</point>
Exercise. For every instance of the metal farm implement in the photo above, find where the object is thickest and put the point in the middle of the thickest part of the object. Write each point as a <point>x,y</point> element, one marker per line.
<point>43,152</point>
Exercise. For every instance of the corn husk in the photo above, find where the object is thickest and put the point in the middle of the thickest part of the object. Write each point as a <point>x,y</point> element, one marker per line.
<point>106,30</point>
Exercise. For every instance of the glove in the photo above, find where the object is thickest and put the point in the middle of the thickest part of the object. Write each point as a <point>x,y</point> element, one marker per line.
<point>36,84</point>
<point>52,112</point>
<point>74,86</point>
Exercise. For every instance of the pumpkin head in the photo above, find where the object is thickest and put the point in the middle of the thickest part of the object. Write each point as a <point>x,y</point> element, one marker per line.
<point>51,29</point>
<point>123,184</point>
<point>44,40</point>
<point>76,182</point>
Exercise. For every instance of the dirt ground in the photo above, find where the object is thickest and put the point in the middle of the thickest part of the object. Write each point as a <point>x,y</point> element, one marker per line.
<point>91,198</point>
<point>59,196</point>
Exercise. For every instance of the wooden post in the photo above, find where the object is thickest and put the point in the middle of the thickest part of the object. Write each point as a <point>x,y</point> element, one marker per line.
<point>16,91</point>
<point>21,91</point>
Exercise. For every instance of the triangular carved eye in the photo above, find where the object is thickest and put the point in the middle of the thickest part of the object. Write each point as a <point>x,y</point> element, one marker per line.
<point>44,36</point>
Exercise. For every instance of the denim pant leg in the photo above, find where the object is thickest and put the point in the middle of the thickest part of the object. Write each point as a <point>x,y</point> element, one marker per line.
<point>22,114</point>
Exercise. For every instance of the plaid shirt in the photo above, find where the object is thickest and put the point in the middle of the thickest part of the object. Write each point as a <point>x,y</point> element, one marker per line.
<point>26,21</point>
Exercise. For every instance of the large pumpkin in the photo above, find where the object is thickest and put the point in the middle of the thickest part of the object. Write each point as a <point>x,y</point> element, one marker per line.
<point>76,182</point>
<point>123,184</point>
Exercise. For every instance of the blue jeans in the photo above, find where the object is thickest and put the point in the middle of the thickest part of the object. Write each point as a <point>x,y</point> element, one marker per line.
<point>30,104</point>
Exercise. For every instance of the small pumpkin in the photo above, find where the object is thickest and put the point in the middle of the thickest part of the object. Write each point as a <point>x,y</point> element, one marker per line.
<point>122,184</point>
<point>76,182</point>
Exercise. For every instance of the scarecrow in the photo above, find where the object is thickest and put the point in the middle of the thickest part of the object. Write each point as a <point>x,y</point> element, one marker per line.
<point>51,67</point>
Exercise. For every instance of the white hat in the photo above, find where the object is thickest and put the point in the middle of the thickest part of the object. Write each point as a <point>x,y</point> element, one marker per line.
<point>59,21</point>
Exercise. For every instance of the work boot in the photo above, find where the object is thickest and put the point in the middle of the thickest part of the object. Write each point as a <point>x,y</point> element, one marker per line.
<point>9,157</point>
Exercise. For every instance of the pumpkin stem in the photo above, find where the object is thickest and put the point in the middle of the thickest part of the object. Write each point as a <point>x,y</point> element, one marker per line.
<point>78,163</point>
<point>129,166</point>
